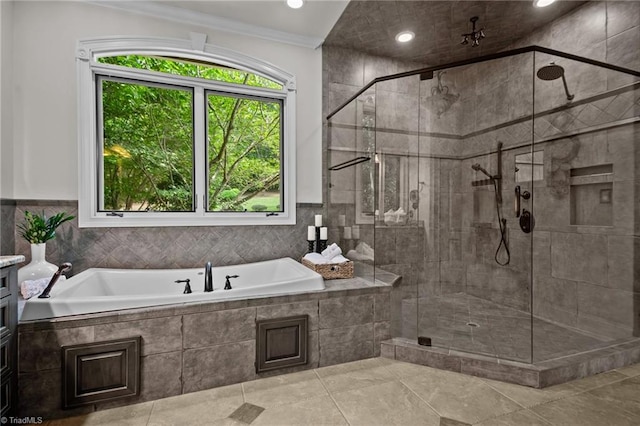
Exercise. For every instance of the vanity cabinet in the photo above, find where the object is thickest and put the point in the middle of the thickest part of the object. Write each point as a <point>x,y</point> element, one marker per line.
<point>8,339</point>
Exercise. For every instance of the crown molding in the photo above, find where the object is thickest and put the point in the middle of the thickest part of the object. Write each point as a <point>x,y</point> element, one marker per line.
<point>185,16</point>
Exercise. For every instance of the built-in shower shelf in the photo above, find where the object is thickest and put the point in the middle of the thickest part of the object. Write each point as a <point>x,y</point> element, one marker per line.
<point>590,180</point>
<point>592,195</point>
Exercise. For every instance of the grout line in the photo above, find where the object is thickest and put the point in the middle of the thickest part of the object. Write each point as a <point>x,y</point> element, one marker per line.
<point>150,412</point>
<point>545,420</point>
<point>244,398</point>
<point>419,397</point>
<point>331,396</point>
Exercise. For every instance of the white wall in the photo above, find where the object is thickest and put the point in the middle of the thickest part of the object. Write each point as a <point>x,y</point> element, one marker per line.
<point>44,97</point>
<point>6,116</point>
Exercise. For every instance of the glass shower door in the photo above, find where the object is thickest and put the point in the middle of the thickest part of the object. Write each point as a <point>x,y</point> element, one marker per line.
<point>475,295</point>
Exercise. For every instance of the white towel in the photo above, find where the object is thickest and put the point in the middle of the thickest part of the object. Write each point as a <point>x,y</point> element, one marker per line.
<point>339,259</point>
<point>332,251</point>
<point>365,249</point>
<point>30,288</point>
<point>316,258</point>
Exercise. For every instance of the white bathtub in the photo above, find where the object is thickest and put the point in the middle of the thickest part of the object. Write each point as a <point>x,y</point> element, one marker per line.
<point>99,290</point>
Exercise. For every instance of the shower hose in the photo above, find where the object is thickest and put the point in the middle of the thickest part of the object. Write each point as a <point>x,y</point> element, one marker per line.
<point>502,223</point>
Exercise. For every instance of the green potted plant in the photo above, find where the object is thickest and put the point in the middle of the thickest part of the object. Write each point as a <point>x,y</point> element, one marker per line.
<point>37,229</point>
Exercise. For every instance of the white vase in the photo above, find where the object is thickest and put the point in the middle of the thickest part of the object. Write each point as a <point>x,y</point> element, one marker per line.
<point>38,267</point>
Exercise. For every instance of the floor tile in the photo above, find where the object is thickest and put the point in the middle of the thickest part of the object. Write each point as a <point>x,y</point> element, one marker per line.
<point>458,396</point>
<point>585,410</point>
<point>386,404</point>
<point>130,415</point>
<point>191,408</point>
<point>246,413</point>
<point>500,331</point>
<point>528,397</point>
<point>315,411</point>
<point>445,421</point>
<point>519,418</point>
<point>405,369</point>
<point>631,370</point>
<point>625,394</point>
<point>354,375</point>
<point>285,389</point>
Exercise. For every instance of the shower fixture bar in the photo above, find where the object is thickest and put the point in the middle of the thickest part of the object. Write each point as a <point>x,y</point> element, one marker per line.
<point>484,58</point>
<point>349,163</point>
<point>482,182</point>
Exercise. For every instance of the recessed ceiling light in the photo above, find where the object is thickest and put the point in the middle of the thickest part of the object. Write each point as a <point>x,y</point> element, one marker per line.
<point>405,36</point>
<point>542,3</point>
<point>295,4</point>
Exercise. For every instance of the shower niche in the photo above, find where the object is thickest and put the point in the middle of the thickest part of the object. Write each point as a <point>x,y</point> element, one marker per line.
<point>591,190</point>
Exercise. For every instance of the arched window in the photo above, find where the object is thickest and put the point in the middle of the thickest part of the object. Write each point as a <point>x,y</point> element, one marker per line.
<point>172,135</point>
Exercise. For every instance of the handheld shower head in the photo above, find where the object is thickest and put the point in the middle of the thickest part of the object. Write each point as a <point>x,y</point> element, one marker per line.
<point>478,168</point>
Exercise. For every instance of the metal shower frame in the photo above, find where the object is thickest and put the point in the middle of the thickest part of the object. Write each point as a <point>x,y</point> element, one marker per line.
<point>428,72</point>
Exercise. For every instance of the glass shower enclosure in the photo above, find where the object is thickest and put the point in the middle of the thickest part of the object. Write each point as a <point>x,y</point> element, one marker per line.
<point>503,191</point>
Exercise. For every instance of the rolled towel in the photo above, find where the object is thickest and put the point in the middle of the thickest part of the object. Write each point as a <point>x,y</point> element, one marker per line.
<point>332,251</point>
<point>316,258</point>
<point>365,249</point>
<point>30,288</point>
<point>339,259</point>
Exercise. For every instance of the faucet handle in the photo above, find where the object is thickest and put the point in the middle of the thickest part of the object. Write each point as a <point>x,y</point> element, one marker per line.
<point>227,283</point>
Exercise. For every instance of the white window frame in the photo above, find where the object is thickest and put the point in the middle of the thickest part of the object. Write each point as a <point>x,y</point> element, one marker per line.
<point>87,54</point>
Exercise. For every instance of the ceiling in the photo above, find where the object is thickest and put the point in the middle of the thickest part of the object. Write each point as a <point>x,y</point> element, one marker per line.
<point>366,25</point>
<point>268,19</point>
<point>315,18</point>
<point>371,26</point>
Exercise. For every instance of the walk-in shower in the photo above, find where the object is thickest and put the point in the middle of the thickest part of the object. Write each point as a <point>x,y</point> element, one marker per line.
<point>510,149</point>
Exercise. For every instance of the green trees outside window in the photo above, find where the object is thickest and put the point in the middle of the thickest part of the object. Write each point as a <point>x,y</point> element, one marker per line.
<point>149,139</point>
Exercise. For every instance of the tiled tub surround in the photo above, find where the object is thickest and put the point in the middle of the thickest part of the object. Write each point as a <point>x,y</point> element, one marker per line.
<point>101,290</point>
<point>157,248</point>
<point>187,348</point>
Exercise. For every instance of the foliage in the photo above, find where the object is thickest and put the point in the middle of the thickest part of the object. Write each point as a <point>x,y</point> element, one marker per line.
<point>38,229</point>
<point>148,140</point>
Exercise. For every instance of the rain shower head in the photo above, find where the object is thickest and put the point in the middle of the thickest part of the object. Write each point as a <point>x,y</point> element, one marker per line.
<point>554,72</point>
<point>550,72</point>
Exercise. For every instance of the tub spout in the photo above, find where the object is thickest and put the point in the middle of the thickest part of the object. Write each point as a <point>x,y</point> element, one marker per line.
<point>63,268</point>
<point>208,277</point>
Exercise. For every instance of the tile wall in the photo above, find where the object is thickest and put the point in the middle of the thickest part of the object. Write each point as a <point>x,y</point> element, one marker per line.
<point>164,247</point>
<point>584,276</point>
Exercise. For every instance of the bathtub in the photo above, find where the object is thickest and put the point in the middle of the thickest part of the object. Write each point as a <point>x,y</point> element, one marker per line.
<point>100,290</point>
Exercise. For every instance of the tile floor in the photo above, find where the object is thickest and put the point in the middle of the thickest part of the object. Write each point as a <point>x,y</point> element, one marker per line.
<point>380,391</point>
<point>496,330</point>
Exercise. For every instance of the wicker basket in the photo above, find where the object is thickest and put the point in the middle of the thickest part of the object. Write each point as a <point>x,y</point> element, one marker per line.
<point>331,271</point>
